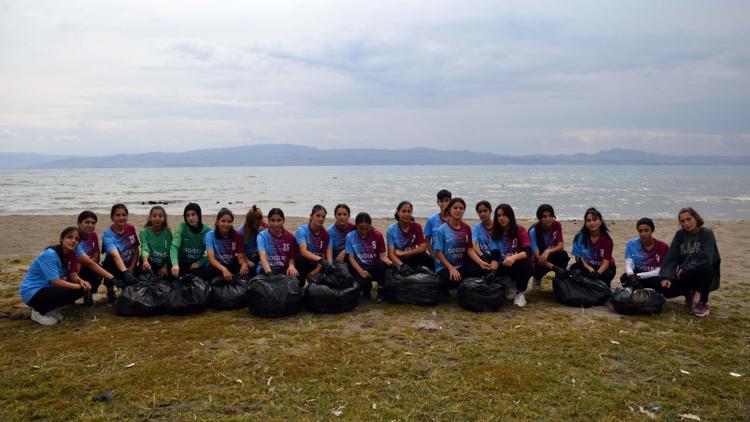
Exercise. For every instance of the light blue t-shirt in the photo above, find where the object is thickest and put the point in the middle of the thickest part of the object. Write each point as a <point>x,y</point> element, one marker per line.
<point>481,236</point>
<point>453,243</point>
<point>45,268</point>
<point>432,224</point>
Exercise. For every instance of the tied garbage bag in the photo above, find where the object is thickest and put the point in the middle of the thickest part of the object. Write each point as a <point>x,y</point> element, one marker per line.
<point>576,289</point>
<point>480,294</point>
<point>627,301</point>
<point>144,298</point>
<point>420,288</point>
<point>226,295</point>
<point>332,292</point>
<point>274,295</point>
<point>189,295</point>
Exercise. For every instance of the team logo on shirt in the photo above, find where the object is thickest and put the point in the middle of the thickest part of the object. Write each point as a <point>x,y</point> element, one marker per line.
<point>374,245</point>
<point>285,247</point>
<point>131,239</point>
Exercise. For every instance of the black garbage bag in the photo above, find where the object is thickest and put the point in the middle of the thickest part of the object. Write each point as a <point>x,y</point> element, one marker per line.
<point>189,295</point>
<point>576,289</point>
<point>332,292</point>
<point>480,294</point>
<point>627,301</point>
<point>226,296</point>
<point>144,298</point>
<point>421,288</point>
<point>275,295</point>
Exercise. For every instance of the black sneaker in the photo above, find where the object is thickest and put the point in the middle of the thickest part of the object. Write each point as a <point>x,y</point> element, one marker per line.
<point>87,299</point>
<point>111,297</point>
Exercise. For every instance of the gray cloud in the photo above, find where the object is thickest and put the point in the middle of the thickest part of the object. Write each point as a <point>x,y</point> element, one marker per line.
<point>511,77</point>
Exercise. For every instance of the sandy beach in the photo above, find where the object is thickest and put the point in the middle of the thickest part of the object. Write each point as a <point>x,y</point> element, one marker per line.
<point>27,235</point>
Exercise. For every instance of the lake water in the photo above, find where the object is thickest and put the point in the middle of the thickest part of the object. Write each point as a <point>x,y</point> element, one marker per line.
<point>619,192</point>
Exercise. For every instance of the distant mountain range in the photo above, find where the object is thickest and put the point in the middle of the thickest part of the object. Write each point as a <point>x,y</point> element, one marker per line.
<point>297,155</point>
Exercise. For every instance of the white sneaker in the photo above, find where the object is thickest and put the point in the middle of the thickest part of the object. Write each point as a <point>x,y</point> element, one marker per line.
<point>537,285</point>
<point>520,300</point>
<point>55,313</point>
<point>510,293</point>
<point>42,319</point>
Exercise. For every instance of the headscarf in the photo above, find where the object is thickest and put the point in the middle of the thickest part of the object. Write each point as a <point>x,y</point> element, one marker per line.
<point>197,208</point>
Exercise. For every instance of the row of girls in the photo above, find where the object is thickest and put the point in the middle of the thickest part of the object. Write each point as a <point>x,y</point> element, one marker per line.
<point>73,268</point>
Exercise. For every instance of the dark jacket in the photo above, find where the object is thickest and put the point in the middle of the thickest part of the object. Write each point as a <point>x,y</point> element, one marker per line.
<point>690,251</point>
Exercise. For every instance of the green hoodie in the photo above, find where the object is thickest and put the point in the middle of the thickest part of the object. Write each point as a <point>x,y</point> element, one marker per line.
<point>155,246</point>
<point>189,247</point>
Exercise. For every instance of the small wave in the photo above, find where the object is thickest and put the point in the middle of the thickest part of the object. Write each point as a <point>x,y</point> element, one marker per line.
<point>740,199</point>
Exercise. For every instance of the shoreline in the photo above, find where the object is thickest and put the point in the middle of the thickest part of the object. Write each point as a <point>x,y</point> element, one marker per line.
<point>28,235</point>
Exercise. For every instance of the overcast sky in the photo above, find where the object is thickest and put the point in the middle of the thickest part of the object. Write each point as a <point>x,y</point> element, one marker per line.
<point>523,77</point>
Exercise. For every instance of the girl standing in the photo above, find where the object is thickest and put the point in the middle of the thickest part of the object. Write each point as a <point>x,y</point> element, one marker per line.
<point>188,251</point>
<point>365,249</point>
<point>547,245</point>
<point>693,262</point>
<point>337,232</point>
<point>312,240</point>
<point>156,239</point>
<point>121,246</point>
<point>511,249</point>
<point>592,248</point>
<point>452,247</point>
<point>277,247</point>
<point>225,249</point>
<point>406,243</point>
<point>52,280</point>
<point>253,225</point>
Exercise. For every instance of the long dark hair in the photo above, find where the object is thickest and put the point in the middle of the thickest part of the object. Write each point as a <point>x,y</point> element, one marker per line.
<point>497,231</point>
<point>253,214</point>
<point>344,206</point>
<point>483,203</point>
<point>163,211</point>
<point>538,229</point>
<point>401,205</point>
<point>116,207</point>
<point>316,208</point>
<point>222,212</point>
<point>363,217</point>
<point>276,211</point>
<point>58,247</point>
<point>447,211</point>
<point>586,233</point>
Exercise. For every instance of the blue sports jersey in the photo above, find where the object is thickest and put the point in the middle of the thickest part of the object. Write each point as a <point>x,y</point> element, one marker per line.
<point>593,254</point>
<point>337,238</point>
<point>251,245</point>
<point>45,268</point>
<point>279,250</point>
<point>509,245</point>
<point>89,245</point>
<point>433,222</point>
<point>365,251</point>
<point>453,243</point>
<point>551,237</point>
<point>404,241</point>
<point>317,244</point>
<point>225,249</point>
<point>481,236</point>
<point>643,260</point>
<point>125,243</point>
